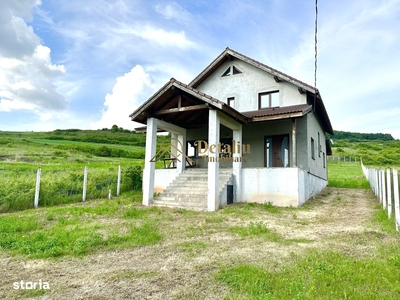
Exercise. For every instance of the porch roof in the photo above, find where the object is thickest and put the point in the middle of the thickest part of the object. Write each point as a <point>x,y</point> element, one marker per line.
<point>182,105</point>
<point>274,113</point>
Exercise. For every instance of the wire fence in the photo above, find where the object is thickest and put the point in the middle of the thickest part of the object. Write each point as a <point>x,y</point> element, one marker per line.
<point>385,185</point>
<point>32,188</point>
<point>344,158</point>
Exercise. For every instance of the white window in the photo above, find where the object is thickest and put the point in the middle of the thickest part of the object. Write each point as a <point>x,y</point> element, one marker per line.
<point>268,99</point>
<point>231,102</point>
<point>232,70</point>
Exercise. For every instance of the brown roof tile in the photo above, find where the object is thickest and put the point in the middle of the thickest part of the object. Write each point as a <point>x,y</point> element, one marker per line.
<point>303,108</point>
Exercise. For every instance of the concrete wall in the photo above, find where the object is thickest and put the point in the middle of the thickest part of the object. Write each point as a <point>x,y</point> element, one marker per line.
<point>309,186</point>
<point>245,87</point>
<point>163,178</point>
<point>317,165</point>
<point>280,186</point>
<point>276,185</point>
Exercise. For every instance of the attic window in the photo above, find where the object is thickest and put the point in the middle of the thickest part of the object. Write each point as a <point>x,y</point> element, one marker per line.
<point>231,71</point>
<point>236,70</point>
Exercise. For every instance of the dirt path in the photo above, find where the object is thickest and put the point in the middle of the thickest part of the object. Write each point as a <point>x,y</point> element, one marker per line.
<point>338,219</point>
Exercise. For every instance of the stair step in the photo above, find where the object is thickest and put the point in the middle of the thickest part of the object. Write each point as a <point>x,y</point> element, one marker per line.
<point>189,190</point>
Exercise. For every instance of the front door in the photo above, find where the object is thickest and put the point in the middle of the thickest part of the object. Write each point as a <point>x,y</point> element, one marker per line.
<point>276,151</point>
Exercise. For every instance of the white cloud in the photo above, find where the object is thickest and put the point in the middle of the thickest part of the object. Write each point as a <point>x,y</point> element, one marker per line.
<point>27,73</point>
<point>158,36</point>
<point>130,91</point>
<point>173,11</point>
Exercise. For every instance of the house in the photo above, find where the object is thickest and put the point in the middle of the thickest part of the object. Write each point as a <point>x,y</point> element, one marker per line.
<point>241,131</point>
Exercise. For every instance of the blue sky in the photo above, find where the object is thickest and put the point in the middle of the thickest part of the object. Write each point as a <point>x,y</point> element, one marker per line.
<point>89,64</point>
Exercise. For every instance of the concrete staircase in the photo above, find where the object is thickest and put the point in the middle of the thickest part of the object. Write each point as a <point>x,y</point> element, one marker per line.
<point>189,190</point>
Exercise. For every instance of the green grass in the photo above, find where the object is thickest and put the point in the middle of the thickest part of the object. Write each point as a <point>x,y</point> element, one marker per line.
<point>346,175</point>
<point>75,231</point>
<point>256,229</point>
<point>318,275</point>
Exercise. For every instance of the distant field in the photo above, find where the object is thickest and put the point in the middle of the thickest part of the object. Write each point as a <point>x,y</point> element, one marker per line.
<point>62,162</point>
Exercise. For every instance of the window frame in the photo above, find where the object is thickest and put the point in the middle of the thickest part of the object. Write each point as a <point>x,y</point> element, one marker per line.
<point>272,137</point>
<point>269,94</point>
<point>312,148</point>
<point>229,100</point>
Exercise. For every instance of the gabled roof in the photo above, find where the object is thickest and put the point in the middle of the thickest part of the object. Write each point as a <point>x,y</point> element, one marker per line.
<point>312,93</point>
<point>185,106</point>
<point>182,105</point>
<point>229,54</point>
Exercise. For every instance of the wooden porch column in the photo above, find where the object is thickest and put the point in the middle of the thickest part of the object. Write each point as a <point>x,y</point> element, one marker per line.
<point>237,165</point>
<point>149,167</point>
<point>294,154</point>
<point>213,164</point>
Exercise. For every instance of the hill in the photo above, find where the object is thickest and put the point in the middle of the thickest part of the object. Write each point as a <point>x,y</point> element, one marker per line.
<point>358,137</point>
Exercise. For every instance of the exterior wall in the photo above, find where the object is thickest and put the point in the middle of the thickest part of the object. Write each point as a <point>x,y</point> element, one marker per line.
<point>309,186</point>
<point>245,87</point>
<point>316,166</point>
<point>163,178</point>
<point>302,143</point>
<point>254,134</point>
<point>279,186</point>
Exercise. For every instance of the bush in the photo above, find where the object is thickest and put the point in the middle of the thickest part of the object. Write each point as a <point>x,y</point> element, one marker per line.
<point>132,178</point>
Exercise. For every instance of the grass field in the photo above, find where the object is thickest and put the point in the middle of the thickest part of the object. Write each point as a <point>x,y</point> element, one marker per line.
<point>339,245</point>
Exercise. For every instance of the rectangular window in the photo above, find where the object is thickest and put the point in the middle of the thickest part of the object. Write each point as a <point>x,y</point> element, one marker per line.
<point>269,99</point>
<point>323,157</point>
<point>319,145</point>
<point>231,102</point>
<point>312,148</point>
<point>276,151</point>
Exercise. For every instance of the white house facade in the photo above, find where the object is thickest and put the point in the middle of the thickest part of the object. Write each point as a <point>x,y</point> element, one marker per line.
<point>241,131</point>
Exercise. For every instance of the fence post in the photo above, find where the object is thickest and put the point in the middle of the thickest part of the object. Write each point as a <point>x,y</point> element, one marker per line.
<point>396,198</point>
<point>378,174</point>
<point>383,189</point>
<point>119,181</point>
<point>389,193</point>
<point>37,189</point>
<point>85,173</point>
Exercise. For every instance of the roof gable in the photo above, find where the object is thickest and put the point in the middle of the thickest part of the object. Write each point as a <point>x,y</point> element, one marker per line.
<point>229,54</point>
<point>180,104</point>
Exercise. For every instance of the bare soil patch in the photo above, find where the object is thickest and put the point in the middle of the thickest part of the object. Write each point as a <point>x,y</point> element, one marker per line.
<point>195,245</point>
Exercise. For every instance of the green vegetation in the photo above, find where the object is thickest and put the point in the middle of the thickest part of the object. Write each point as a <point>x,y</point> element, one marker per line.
<point>379,150</point>
<point>62,156</point>
<point>318,275</point>
<point>360,137</point>
<point>346,175</point>
<point>76,230</point>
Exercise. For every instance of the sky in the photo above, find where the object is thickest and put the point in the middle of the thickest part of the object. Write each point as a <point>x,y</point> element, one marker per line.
<point>89,64</point>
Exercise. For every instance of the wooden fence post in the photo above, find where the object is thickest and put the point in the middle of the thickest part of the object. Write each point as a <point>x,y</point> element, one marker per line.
<point>85,173</point>
<point>396,198</point>
<point>389,193</point>
<point>119,181</point>
<point>37,189</point>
